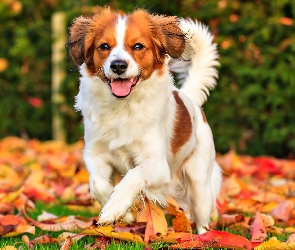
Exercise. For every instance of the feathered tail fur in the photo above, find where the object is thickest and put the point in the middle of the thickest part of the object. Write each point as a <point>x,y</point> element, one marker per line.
<point>197,72</point>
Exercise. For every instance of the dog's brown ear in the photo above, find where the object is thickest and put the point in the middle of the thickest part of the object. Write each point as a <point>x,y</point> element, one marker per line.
<point>171,39</point>
<point>79,44</point>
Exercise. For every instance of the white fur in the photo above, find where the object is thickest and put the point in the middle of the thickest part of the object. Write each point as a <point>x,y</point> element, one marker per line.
<point>133,135</point>
<point>198,74</point>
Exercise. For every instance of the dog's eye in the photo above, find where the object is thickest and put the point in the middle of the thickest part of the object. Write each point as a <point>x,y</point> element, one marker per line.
<point>138,46</point>
<point>104,46</point>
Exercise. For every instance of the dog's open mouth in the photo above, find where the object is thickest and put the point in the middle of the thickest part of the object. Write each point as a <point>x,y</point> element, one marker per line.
<point>121,87</point>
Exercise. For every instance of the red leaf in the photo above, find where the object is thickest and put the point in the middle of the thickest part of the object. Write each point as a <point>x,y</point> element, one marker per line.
<point>267,165</point>
<point>214,238</point>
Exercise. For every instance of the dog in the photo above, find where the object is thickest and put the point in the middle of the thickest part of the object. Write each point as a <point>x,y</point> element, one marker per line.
<point>136,121</point>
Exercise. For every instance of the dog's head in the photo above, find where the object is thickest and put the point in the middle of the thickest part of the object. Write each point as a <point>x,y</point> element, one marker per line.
<point>124,49</point>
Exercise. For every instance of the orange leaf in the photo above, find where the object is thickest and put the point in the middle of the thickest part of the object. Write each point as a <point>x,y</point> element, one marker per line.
<point>9,220</point>
<point>180,222</point>
<point>258,230</point>
<point>154,217</point>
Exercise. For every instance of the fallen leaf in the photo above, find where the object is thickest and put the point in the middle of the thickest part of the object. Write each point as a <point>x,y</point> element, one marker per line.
<point>108,231</point>
<point>258,230</point>
<point>45,216</point>
<point>180,222</point>
<point>67,244</point>
<point>9,220</point>
<point>274,243</point>
<point>70,225</point>
<point>291,238</point>
<point>213,239</point>
<point>283,211</point>
<point>226,220</point>
<point>154,218</point>
<point>9,248</point>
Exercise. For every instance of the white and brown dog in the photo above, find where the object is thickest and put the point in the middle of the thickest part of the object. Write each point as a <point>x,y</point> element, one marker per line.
<point>136,121</point>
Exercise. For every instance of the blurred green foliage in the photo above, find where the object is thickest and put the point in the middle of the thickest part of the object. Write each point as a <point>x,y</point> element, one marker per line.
<point>252,108</point>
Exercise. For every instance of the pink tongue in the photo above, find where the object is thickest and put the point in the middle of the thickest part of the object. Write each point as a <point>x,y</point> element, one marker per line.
<point>121,87</point>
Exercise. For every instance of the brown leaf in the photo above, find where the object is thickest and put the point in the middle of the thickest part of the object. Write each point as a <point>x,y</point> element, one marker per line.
<point>226,220</point>
<point>44,239</point>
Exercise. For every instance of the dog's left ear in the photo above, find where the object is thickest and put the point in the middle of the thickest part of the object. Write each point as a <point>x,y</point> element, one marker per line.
<point>79,44</point>
<point>168,36</point>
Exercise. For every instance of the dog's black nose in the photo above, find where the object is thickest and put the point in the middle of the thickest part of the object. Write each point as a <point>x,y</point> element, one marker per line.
<point>118,66</point>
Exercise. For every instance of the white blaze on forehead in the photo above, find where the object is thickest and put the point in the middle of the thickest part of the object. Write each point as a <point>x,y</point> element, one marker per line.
<point>120,35</point>
<point>119,52</point>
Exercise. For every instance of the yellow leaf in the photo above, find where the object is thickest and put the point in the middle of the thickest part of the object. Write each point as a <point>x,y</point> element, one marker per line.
<point>108,231</point>
<point>12,196</point>
<point>289,230</point>
<point>274,243</point>
<point>268,207</point>
<point>8,248</point>
<point>275,230</point>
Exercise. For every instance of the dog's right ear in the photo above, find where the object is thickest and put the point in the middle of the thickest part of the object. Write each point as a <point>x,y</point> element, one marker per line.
<point>79,44</point>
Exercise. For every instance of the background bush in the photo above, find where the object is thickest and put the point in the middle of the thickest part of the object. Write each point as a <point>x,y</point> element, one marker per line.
<point>251,109</point>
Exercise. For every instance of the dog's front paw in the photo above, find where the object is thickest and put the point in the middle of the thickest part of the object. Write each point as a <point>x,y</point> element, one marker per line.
<point>114,210</point>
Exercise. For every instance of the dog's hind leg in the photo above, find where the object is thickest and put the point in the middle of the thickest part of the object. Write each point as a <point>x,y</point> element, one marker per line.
<point>203,178</point>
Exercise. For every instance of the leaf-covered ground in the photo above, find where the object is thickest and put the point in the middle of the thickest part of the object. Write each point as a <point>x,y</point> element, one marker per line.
<point>45,204</point>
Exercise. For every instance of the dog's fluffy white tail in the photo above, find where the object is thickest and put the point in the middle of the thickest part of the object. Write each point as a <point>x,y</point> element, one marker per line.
<point>197,70</point>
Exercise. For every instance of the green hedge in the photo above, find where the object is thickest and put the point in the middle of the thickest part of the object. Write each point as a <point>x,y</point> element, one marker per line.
<point>252,107</point>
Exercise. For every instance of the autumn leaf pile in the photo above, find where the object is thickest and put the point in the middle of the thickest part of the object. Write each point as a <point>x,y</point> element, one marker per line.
<point>256,203</point>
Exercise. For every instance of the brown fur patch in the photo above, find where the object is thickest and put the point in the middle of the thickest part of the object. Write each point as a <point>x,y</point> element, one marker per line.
<point>204,116</point>
<point>182,125</point>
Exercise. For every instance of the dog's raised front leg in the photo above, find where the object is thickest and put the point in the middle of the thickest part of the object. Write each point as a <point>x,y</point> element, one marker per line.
<point>150,173</point>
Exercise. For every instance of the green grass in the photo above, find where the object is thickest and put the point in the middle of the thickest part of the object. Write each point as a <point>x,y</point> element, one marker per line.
<point>62,210</point>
